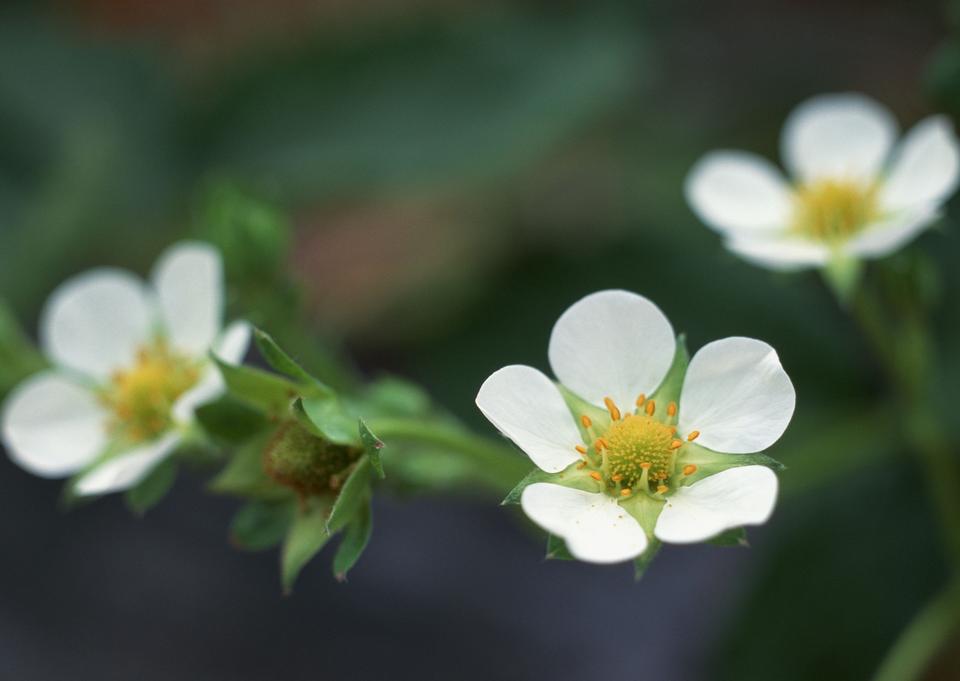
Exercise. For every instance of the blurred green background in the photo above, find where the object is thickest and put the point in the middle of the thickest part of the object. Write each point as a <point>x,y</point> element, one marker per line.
<point>455,174</point>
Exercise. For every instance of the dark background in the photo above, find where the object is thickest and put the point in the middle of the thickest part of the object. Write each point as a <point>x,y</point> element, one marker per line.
<point>456,174</point>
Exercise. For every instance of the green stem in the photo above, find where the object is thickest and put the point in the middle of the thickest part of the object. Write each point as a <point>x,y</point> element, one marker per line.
<point>917,645</point>
<point>500,463</point>
<point>905,352</point>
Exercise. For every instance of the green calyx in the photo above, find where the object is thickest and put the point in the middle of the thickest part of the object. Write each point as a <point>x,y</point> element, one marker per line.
<point>309,465</point>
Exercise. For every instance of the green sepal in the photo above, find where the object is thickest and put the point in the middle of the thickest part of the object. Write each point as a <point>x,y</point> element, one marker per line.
<point>643,561</point>
<point>669,389</point>
<point>326,418</point>
<point>371,446</point>
<point>277,358</point>
<point>260,525</point>
<point>709,462</point>
<point>733,537</point>
<point>579,407</point>
<point>842,274</point>
<point>355,489</point>
<point>355,539</point>
<point>230,420</point>
<point>557,549</point>
<point>645,510</point>
<point>306,536</point>
<point>568,477</point>
<point>152,489</point>
<point>269,392</point>
<point>244,476</point>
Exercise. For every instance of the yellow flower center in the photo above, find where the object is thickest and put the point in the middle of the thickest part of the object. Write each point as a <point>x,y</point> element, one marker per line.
<point>833,210</point>
<point>636,443</point>
<point>638,451</point>
<point>141,398</point>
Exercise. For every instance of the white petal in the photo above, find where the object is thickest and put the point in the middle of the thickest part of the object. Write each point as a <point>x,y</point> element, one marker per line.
<point>732,498</point>
<point>189,282</point>
<point>526,406</point>
<point>843,136</point>
<point>53,427</point>
<point>210,387</point>
<point>925,166</point>
<point>95,322</point>
<point>232,344</point>
<point>593,525</point>
<point>735,191</point>
<point>612,344</point>
<point>890,235</point>
<point>230,347</point>
<point>128,469</point>
<point>737,395</point>
<point>784,254</point>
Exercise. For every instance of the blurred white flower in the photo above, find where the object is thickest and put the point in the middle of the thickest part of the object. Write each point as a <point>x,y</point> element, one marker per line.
<point>641,467</point>
<point>130,364</point>
<point>854,193</point>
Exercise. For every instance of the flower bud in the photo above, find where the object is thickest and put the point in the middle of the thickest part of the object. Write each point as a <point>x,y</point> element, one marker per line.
<point>306,463</point>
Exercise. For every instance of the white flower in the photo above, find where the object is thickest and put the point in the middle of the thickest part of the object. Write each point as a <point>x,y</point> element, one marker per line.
<point>853,193</point>
<point>130,363</point>
<point>627,468</point>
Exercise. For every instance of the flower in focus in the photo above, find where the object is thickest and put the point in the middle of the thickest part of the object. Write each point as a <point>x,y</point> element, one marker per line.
<point>637,444</point>
<point>854,193</point>
<point>130,364</point>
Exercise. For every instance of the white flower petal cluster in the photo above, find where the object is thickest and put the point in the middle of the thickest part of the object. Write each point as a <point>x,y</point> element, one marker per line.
<point>612,349</point>
<point>130,363</point>
<point>855,191</point>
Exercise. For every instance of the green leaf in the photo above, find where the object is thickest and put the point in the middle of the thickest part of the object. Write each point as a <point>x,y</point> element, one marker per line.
<point>669,389</point>
<point>372,446</point>
<point>244,475</point>
<point>18,356</point>
<point>734,537</point>
<point>267,391</point>
<point>261,525</point>
<point>643,561</point>
<point>326,418</point>
<point>557,549</point>
<point>354,541</point>
<point>306,537</point>
<point>153,488</point>
<point>231,420</point>
<point>351,496</point>
<point>282,362</point>
<point>391,396</point>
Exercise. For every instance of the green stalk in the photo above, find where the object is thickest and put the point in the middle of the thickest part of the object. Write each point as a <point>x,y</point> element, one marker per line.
<point>500,463</point>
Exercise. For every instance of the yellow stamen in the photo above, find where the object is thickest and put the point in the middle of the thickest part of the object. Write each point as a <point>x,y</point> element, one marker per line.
<point>694,434</point>
<point>612,408</point>
<point>651,407</point>
<point>585,420</point>
<point>616,478</point>
<point>645,465</point>
<point>581,449</point>
<point>672,409</point>
<point>581,465</point>
<point>676,444</point>
<point>595,475</point>
<point>662,488</point>
<point>625,492</point>
<point>641,398</point>
<point>690,469</point>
